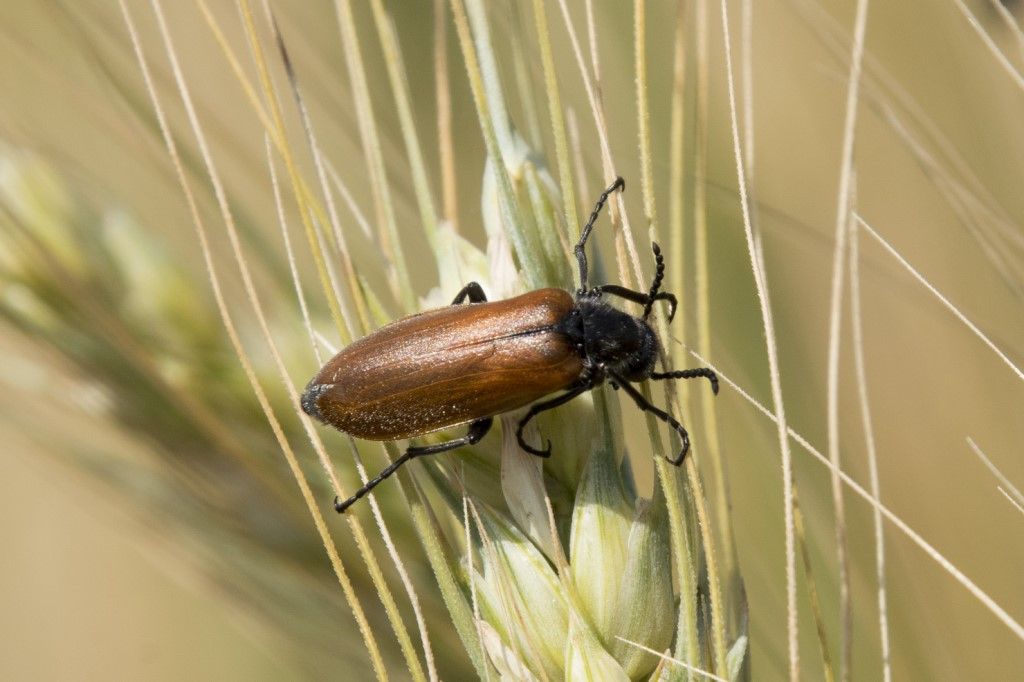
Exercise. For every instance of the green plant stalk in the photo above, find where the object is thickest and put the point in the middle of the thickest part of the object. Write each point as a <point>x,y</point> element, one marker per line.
<point>572,221</point>
<point>400,91</point>
<point>504,148</point>
<point>276,131</point>
<point>351,597</point>
<point>391,245</point>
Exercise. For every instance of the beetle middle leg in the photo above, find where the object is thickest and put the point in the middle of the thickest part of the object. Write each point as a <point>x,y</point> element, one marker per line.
<point>477,430</point>
<point>543,407</point>
<point>473,291</point>
<point>646,406</point>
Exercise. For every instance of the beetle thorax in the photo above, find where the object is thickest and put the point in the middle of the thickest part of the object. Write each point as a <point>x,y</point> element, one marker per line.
<point>612,340</point>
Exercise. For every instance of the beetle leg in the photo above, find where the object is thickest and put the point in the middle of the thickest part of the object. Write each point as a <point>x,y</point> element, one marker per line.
<point>705,372</point>
<point>473,291</point>
<point>543,407</point>
<point>477,430</point>
<point>645,406</point>
<point>581,255</point>
<point>638,296</point>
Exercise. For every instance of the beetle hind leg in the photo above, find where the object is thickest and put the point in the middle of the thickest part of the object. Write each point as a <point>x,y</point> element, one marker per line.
<point>646,406</point>
<point>477,430</point>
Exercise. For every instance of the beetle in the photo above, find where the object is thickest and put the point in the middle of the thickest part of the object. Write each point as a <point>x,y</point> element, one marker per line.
<point>475,359</point>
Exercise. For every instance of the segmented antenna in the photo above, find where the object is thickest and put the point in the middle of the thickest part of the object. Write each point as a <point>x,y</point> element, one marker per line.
<point>581,254</point>
<point>659,274</point>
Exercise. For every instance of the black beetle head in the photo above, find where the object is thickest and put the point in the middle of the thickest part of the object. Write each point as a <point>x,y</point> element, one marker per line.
<point>623,344</point>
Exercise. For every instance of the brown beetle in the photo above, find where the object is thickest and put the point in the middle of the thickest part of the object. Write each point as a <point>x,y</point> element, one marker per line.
<point>467,363</point>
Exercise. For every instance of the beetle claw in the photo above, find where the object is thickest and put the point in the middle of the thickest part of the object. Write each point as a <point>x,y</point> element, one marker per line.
<point>545,453</point>
<point>678,459</point>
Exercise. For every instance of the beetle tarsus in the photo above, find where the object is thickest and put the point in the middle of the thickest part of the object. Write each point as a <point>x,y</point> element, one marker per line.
<point>545,453</point>
<point>678,459</point>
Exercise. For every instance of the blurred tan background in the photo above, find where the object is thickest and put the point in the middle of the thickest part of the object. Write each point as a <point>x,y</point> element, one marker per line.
<point>87,596</point>
<point>89,593</point>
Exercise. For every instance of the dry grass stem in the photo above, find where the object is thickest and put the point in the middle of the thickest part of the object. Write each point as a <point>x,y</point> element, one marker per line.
<point>945,301</point>
<point>860,364</point>
<point>773,363</point>
<point>843,209</point>
<point>990,44</point>
<point>1016,627</point>
<point>350,595</point>
<point>675,662</point>
<point>1003,480</point>
<point>1008,496</point>
<point>558,130</point>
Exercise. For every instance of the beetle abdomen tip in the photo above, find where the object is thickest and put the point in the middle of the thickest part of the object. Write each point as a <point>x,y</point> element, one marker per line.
<point>309,397</point>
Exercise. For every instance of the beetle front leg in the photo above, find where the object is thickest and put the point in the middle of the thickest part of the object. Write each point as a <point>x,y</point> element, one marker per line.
<point>473,291</point>
<point>645,406</point>
<point>477,430</point>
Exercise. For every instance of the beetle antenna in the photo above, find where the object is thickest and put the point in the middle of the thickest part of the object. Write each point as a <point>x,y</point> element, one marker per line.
<point>581,255</point>
<point>659,274</point>
<point>705,372</point>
